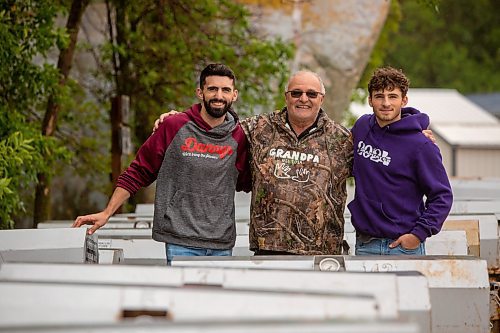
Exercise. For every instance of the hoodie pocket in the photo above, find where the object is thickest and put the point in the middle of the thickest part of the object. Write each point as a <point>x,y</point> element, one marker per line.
<point>369,214</point>
<point>200,216</point>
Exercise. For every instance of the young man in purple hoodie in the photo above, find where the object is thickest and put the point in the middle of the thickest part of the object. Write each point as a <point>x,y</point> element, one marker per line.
<point>395,166</point>
<point>198,159</point>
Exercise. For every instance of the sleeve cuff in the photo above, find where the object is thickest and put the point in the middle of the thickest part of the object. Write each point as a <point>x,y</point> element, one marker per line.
<point>421,234</point>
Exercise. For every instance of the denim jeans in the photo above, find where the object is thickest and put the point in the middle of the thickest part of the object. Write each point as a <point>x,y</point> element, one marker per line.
<point>179,250</point>
<point>380,246</point>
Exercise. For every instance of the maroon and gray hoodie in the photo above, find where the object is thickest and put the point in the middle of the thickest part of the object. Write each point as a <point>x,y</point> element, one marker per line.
<point>198,169</point>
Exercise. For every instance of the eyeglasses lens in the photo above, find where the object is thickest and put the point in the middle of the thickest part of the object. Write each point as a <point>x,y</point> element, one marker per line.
<point>298,93</point>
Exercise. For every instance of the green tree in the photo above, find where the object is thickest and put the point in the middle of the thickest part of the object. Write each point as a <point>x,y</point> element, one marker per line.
<point>377,58</point>
<point>156,50</point>
<point>159,48</point>
<point>27,32</point>
<point>449,44</point>
<point>54,103</point>
<point>48,123</point>
<point>379,53</point>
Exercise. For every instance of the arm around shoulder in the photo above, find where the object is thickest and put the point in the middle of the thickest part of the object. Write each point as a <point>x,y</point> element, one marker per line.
<point>248,124</point>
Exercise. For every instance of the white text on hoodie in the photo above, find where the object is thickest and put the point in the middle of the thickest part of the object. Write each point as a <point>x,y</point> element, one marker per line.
<point>374,154</point>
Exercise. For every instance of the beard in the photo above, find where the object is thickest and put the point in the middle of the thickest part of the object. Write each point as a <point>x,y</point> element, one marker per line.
<point>388,118</point>
<point>219,111</point>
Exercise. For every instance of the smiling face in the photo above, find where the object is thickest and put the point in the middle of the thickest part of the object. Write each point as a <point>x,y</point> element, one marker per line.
<point>218,94</point>
<point>387,104</point>
<point>387,94</point>
<point>303,110</point>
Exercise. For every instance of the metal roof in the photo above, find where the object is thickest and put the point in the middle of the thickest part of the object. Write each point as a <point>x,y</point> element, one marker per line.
<point>485,136</point>
<point>488,101</point>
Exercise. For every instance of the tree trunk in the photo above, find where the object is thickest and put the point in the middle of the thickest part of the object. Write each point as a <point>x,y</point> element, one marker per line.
<point>42,194</point>
<point>121,63</point>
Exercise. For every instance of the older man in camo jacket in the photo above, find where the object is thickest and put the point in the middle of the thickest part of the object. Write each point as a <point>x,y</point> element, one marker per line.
<point>300,160</point>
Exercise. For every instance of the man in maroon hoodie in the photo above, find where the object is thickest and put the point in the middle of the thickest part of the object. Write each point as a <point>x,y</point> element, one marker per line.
<point>199,159</point>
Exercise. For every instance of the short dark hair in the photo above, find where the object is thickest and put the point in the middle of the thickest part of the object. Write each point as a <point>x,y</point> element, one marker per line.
<point>388,78</point>
<point>216,70</point>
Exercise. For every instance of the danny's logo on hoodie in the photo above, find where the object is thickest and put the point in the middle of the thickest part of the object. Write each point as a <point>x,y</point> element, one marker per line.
<point>373,154</point>
<point>208,150</point>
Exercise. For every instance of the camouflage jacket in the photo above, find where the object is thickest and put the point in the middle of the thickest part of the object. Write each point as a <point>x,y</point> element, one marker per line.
<point>299,186</point>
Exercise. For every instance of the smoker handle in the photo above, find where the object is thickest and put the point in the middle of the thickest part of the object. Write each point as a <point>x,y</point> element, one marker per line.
<point>135,313</point>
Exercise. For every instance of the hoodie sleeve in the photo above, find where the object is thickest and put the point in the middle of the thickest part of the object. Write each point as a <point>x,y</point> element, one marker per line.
<point>244,182</point>
<point>145,167</point>
<point>432,179</point>
<point>350,154</point>
<point>248,124</point>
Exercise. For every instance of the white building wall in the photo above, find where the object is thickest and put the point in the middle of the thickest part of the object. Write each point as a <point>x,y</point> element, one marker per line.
<point>446,153</point>
<point>474,162</point>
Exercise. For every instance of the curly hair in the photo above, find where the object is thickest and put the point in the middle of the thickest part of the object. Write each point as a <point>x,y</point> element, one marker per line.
<point>388,78</point>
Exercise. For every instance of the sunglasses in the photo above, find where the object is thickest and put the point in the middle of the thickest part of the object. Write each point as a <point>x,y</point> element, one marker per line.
<point>309,94</point>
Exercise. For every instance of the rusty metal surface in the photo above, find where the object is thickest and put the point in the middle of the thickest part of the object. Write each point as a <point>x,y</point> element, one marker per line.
<point>494,301</point>
<point>442,271</point>
<point>494,271</point>
<point>458,287</point>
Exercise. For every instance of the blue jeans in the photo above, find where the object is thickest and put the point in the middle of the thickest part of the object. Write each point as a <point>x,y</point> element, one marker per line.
<point>179,250</point>
<point>380,246</point>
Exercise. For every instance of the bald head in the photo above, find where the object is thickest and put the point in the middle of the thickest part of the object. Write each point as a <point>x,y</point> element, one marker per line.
<point>306,73</point>
<point>304,97</point>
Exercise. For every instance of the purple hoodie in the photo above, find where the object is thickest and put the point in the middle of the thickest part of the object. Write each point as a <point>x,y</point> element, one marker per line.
<point>395,166</point>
